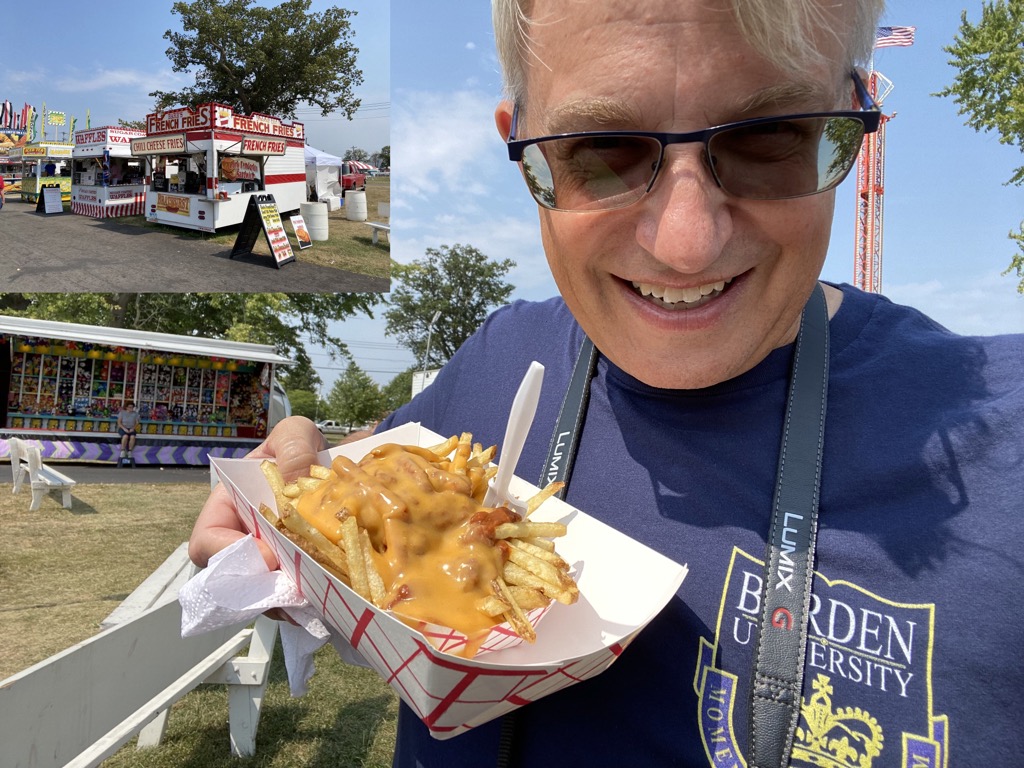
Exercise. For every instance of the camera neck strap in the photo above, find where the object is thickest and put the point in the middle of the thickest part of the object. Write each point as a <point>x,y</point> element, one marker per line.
<point>777,684</point>
<point>776,689</point>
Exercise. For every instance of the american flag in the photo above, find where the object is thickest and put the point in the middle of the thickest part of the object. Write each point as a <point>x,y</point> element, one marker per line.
<point>888,37</point>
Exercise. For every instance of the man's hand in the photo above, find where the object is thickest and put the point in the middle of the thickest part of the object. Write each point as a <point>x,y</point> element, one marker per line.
<point>293,443</point>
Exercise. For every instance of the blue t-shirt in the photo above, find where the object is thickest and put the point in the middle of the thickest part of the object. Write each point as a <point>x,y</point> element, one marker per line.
<point>916,631</point>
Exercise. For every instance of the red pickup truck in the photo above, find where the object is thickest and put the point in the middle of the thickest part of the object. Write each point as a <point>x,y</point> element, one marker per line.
<point>351,178</point>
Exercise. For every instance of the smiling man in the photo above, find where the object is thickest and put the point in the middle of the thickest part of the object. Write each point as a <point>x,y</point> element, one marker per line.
<point>841,474</point>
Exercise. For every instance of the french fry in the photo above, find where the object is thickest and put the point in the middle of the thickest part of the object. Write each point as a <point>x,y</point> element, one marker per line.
<point>546,493</point>
<point>538,567</point>
<point>295,523</point>
<point>527,597</point>
<point>357,575</point>
<point>493,605</point>
<point>515,616</point>
<point>320,472</point>
<point>543,553</point>
<point>270,515</point>
<point>516,574</point>
<point>441,451</point>
<point>529,530</point>
<point>273,475</point>
<point>307,484</point>
<point>375,582</point>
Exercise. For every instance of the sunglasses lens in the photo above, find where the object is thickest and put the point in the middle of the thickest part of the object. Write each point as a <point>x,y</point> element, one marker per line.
<point>591,172</point>
<point>785,158</point>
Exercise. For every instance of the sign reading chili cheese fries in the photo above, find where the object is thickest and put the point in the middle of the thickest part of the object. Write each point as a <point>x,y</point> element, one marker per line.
<point>621,586</point>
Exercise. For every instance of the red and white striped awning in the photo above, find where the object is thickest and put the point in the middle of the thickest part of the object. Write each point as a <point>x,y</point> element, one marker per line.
<point>361,166</point>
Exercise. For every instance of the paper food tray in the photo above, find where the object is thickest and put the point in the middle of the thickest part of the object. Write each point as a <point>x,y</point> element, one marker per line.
<point>623,585</point>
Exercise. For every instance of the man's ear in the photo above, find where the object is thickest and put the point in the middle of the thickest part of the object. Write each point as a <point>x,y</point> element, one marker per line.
<point>503,118</point>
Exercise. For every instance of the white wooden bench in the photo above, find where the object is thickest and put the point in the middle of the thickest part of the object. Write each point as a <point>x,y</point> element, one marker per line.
<point>19,461</point>
<point>79,707</point>
<point>377,228</point>
<point>44,479</point>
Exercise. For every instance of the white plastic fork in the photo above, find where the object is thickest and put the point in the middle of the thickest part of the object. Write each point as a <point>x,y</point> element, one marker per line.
<point>520,418</point>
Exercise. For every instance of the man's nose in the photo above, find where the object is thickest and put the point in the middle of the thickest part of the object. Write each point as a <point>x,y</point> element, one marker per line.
<point>686,218</point>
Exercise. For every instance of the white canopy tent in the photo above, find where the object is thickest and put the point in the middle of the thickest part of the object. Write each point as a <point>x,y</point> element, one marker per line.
<point>323,174</point>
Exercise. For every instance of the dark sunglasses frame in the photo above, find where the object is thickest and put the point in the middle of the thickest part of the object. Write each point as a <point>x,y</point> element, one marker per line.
<point>869,116</point>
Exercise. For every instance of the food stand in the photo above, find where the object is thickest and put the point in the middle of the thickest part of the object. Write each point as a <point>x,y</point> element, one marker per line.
<point>64,385</point>
<point>43,163</point>
<point>10,169</point>
<point>203,165</point>
<point>106,179</point>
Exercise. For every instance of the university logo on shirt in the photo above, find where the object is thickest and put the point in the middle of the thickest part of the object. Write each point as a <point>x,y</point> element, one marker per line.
<point>867,677</point>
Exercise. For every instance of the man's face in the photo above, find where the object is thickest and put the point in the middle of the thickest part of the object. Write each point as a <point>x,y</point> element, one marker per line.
<point>675,65</point>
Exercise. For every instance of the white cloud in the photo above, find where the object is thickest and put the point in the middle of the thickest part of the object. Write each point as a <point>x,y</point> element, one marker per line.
<point>470,46</point>
<point>980,305</point>
<point>438,139</point>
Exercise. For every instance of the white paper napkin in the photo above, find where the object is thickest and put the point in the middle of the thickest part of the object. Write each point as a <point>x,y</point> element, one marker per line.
<point>236,587</point>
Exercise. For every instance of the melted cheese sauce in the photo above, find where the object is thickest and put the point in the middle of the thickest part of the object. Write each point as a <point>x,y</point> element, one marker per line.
<point>433,543</point>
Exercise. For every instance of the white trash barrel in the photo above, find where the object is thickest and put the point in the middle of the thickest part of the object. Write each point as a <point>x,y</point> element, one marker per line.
<point>315,216</point>
<point>355,205</point>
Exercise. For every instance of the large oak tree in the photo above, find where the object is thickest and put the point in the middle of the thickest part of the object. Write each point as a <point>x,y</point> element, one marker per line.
<point>266,60</point>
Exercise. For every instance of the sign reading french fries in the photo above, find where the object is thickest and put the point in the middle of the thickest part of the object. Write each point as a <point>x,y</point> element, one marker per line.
<point>621,586</point>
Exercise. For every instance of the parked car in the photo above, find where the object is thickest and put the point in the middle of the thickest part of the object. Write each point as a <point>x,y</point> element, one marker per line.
<point>351,178</point>
<point>332,427</point>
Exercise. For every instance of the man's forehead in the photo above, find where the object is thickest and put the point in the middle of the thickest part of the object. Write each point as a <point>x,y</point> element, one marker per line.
<point>594,113</point>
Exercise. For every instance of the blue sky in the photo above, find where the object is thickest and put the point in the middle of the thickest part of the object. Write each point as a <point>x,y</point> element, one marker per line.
<point>947,211</point>
<point>108,57</point>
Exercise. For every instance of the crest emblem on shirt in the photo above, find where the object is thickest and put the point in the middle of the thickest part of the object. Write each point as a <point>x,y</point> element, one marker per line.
<point>867,677</point>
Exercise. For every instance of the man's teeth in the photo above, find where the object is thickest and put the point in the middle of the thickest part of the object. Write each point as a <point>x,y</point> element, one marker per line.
<point>681,295</point>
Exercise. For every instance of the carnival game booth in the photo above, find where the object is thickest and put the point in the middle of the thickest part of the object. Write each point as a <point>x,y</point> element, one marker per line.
<point>44,163</point>
<point>64,385</point>
<point>203,165</point>
<point>106,179</point>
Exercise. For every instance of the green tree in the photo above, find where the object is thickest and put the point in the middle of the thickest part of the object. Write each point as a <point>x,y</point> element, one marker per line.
<point>267,60</point>
<point>357,154</point>
<point>461,283</point>
<point>305,403</point>
<point>139,125</point>
<point>301,376</point>
<point>398,391</point>
<point>355,398</point>
<point>988,87</point>
<point>382,157</point>
<point>286,321</point>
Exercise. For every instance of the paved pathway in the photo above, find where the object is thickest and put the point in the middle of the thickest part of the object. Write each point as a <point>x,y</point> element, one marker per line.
<point>108,473</point>
<point>71,253</point>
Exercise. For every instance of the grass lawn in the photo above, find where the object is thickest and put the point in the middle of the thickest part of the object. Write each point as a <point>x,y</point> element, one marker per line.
<point>63,571</point>
<point>349,245</point>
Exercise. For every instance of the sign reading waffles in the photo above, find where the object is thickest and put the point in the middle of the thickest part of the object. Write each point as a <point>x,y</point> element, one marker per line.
<point>109,135</point>
<point>220,116</point>
<point>622,584</point>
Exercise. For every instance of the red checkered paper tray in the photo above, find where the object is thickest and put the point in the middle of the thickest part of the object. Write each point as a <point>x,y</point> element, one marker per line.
<point>623,585</point>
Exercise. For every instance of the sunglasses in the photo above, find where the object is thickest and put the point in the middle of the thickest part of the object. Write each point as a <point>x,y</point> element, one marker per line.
<point>767,158</point>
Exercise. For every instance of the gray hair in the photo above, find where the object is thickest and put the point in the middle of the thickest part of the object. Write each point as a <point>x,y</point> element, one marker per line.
<point>777,29</point>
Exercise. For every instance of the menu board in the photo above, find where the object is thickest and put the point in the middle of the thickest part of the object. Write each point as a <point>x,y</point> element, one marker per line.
<point>49,200</point>
<point>262,215</point>
<point>301,233</point>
